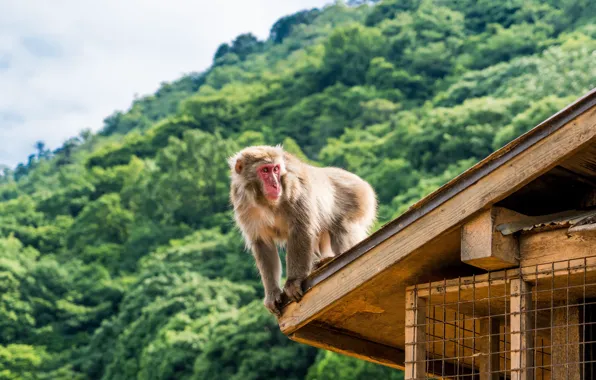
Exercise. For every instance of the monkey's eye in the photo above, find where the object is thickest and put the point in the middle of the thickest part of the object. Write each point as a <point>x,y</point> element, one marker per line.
<point>276,169</point>
<point>265,170</point>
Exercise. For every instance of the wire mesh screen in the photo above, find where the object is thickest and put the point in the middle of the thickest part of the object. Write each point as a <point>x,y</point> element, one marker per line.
<point>528,323</point>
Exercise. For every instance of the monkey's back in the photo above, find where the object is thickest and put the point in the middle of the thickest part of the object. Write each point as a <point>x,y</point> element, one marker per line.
<point>349,198</point>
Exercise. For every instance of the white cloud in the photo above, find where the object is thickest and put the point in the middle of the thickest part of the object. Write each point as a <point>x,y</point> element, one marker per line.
<point>66,64</point>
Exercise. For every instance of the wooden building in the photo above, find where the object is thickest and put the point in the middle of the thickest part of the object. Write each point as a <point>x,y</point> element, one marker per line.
<point>492,276</point>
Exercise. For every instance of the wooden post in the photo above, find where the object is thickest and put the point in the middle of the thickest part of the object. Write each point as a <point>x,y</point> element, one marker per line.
<point>415,336</point>
<point>522,342</point>
<point>489,347</point>
<point>566,344</point>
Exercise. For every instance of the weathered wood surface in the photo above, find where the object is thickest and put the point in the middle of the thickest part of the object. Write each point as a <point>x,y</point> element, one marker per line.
<point>381,302</point>
<point>566,343</point>
<point>415,336</point>
<point>483,246</point>
<point>554,246</point>
<point>490,362</point>
<point>583,163</point>
<point>522,337</point>
<point>342,343</point>
<point>573,273</point>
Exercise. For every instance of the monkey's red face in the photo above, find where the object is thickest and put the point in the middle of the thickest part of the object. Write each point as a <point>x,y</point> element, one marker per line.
<point>270,176</point>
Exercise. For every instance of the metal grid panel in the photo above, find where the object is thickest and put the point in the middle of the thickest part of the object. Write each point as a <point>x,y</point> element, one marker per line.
<point>529,323</point>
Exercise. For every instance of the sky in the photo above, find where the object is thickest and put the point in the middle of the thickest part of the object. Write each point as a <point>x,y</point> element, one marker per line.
<point>65,65</point>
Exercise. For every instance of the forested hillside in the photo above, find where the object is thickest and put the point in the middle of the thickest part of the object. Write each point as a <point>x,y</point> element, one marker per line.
<point>118,254</point>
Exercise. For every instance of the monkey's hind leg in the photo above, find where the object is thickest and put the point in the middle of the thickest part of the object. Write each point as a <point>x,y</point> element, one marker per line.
<point>324,254</point>
<point>347,236</point>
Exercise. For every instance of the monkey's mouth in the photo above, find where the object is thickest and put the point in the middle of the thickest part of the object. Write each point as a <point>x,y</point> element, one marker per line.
<point>272,191</point>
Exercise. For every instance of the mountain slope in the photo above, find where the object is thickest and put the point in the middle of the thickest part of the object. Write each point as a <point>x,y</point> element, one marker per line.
<point>118,256</point>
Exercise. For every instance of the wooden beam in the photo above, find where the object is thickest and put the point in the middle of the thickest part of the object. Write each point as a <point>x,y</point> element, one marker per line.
<point>415,336</point>
<point>345,344</point>
<point>572,269</point>
<point>566,342</point>
<point>583,163</point>
<point>522,342</point>
<point>504,180</point>
<point>489,347</point>
<point>555,246</point>
<point>341,342</point>
<point>483,246</point>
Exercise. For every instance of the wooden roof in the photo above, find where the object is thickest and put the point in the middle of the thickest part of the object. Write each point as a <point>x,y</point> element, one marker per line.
<point>355,304</point>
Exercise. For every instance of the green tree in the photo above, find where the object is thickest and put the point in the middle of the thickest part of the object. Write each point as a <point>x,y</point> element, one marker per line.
<point>348,53</point>
<point>247,344</point>
<point>331,366</point>
<point>196,166</point>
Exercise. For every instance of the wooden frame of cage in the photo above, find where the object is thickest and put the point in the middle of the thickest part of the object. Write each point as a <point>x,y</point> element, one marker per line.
<point>523,323</point>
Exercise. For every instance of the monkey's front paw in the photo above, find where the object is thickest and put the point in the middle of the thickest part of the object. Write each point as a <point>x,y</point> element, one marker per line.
<point>272,302</point>
<point>293,289</point>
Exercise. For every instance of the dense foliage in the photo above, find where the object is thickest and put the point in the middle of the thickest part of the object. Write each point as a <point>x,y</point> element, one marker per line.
<point>118,256</point>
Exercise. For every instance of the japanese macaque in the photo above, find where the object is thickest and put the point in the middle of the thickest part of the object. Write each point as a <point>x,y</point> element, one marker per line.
<point>316,213</point>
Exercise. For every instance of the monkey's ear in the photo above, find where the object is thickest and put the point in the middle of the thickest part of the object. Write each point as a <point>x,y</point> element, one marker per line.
<point>235,163</point>
<point>239,166</point>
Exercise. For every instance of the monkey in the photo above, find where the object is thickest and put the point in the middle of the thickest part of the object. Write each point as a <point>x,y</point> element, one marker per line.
<point>316,213</point>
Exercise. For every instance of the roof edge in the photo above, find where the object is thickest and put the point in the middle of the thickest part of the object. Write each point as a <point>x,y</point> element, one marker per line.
<point>456,185</point>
